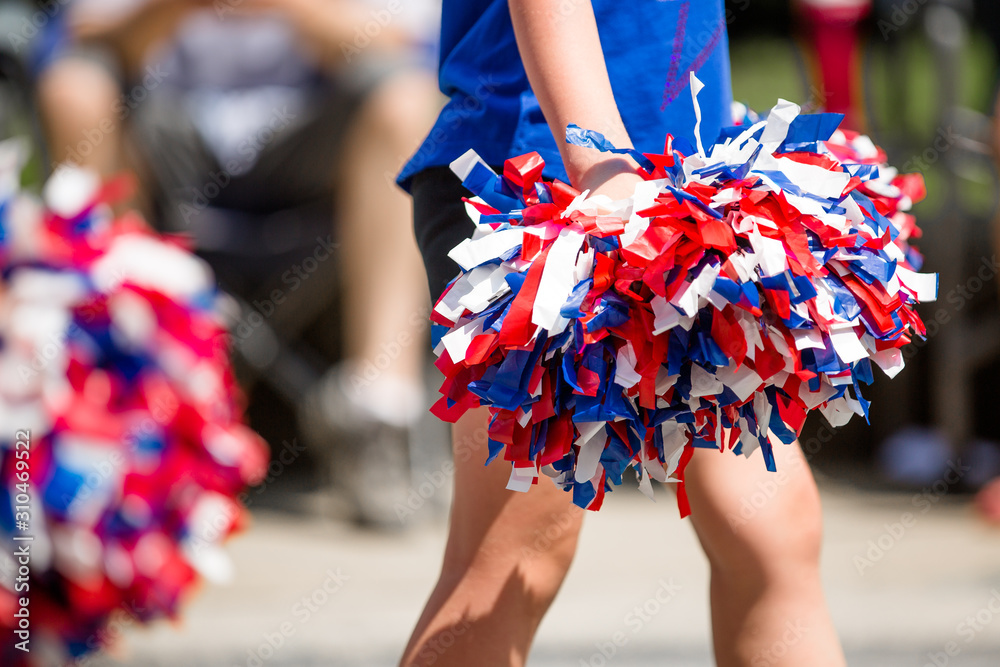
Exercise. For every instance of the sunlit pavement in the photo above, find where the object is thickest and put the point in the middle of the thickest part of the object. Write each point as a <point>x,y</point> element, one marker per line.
<point>905,586</point>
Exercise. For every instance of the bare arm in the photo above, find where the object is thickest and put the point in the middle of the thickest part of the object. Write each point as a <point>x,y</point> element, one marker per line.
<point>337,31</point>
<point>132,31</point>
<point>333,29</point>
<point>562,55</point>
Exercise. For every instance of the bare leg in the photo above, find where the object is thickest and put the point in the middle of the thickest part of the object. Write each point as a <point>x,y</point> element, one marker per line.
<point>386,293</point>
<point>506,558</point>
<point>767,600</point>
<point>77,99</point>
<point>496,583</point>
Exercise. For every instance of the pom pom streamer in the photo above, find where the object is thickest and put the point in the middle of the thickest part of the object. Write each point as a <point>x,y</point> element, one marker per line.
<point>738,289</point>
<point>114,358</point>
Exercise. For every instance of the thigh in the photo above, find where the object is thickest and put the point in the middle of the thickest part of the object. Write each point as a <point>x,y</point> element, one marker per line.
<point>492,529</point>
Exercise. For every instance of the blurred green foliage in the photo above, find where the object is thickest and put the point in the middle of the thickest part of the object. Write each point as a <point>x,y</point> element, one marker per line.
<point>902,95</point>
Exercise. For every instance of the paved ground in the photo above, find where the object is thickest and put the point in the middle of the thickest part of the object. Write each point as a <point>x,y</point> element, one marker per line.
<point>902,610</point>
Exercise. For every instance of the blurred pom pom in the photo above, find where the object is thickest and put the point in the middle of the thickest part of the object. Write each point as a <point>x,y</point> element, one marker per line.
<point>739,288</point>
<point>114,359</point>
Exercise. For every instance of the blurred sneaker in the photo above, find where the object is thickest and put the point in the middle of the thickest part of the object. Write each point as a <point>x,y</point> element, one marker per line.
<point>369,457</point>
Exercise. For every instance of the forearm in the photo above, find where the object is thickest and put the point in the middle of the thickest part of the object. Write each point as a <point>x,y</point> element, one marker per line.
<point>562,56</point>
<point>336,31</point>
<point>336,44</point>
<point>131,32</point>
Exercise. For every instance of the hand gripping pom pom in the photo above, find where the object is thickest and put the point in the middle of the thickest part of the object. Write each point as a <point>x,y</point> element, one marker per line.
<point>114,359</point>
<point>738,289</point>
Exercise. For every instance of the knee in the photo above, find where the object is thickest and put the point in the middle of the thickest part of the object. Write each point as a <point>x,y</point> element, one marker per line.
<point>529,562</point>
<point>544,561</point>
<point>545,557</point>
<point>769,537</point>
<point>77,101</point>
<point>77,93</point>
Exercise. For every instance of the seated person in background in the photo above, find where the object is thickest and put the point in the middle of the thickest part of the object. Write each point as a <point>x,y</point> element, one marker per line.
<point>259,105</point>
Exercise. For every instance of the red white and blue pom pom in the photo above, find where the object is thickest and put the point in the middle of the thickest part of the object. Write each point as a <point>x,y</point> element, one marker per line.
<point>741,287</point>
<point>114,361</point>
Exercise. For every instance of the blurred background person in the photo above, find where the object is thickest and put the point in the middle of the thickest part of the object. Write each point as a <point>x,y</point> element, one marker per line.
<point>259,127</point>
<point>920,79</point>
<point>832,32</point>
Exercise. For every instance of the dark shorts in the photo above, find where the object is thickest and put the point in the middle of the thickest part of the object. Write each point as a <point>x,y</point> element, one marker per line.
<point>439,223</point>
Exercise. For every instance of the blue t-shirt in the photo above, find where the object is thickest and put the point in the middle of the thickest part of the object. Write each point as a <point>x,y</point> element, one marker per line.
<point>650,47</point>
